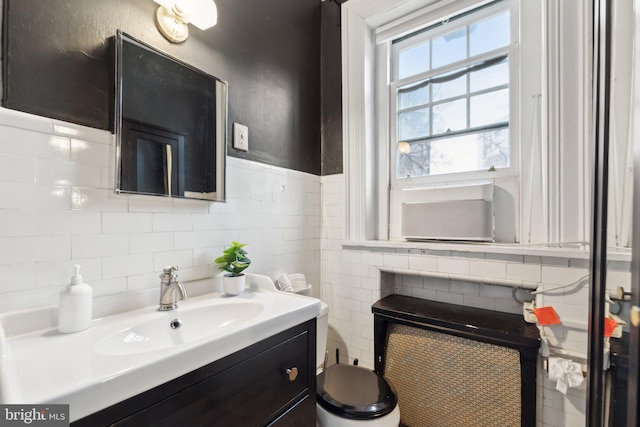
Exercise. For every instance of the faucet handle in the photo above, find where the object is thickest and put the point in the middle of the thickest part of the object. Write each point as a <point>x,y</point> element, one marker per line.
<point>170,270</point>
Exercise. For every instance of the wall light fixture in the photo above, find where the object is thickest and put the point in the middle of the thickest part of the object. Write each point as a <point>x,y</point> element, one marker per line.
<point>173,16</point>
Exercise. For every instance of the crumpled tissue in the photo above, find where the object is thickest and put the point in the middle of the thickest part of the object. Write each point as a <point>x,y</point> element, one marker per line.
<point>566,373</point>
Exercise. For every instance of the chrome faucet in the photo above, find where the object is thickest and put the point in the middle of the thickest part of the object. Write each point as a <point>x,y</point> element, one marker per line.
<point>171,291</point>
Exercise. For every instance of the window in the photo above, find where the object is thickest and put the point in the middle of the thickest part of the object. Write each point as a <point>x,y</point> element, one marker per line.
<point>541,194</point>
<point>451,90</point>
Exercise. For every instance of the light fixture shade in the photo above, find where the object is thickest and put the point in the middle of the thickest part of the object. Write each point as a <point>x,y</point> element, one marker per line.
<point>166,3</point>
<point>201,13</point>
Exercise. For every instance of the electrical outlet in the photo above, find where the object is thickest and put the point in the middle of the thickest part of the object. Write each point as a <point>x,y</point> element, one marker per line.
<point>240,137</point>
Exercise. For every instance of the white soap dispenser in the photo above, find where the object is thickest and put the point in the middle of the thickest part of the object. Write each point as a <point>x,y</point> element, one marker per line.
<point>76,303</point>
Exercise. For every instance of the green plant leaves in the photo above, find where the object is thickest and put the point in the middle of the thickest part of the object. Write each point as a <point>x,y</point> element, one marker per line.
<point>234,259</point>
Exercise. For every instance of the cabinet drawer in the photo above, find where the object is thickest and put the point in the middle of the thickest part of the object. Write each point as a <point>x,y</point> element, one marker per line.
<point>249,393</point>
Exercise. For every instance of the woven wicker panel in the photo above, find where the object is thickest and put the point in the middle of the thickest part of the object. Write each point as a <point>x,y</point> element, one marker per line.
<point>443,380</point>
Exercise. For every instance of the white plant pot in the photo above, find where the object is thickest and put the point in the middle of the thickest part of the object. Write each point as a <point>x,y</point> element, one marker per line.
<point>233,285</point>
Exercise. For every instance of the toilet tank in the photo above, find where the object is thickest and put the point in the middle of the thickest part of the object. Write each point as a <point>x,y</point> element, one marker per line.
<point>322,326</point>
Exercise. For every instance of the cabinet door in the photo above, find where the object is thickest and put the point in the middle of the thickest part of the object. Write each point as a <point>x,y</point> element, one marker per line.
<point>301,415</point>
<point>250,393</point>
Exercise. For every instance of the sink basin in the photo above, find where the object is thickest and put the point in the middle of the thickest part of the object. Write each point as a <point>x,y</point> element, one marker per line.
<point>169,329</point>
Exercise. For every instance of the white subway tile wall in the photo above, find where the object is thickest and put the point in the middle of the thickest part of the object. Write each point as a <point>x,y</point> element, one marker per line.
<point>347,289</point>
<point>58,208</point>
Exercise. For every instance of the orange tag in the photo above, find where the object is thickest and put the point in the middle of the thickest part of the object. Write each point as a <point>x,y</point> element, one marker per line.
<point>546,316</point>
<point>609,326</point>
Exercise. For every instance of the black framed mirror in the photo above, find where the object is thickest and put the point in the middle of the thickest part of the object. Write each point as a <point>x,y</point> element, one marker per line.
<point>170,125</point>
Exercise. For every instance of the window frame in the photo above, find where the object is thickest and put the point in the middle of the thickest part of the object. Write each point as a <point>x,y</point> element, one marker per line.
<point>477,13</point>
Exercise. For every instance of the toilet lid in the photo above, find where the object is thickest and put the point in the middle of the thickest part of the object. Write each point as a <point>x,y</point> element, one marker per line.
<point>355,392</point>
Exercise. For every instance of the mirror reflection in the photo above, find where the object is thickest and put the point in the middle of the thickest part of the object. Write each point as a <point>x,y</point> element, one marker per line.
<point>171,122</point>
<point>621,141</point>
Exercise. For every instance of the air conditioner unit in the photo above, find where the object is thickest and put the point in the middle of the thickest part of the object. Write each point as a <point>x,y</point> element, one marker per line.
<point>449,213</point>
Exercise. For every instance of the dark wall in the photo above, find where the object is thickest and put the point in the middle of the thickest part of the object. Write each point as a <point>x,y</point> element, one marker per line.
<point>56,62</point>
<point>331,78</point>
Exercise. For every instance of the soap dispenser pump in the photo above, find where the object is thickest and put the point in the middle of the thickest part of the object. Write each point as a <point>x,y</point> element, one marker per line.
<point>76,302</point>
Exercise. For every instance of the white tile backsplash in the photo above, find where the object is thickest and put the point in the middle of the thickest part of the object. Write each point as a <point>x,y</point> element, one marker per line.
<point>172,222</point>
<point>464,288</point>
<point>17,250</point>
<point>58,208</point>
<point>396,261</point>
<point>68,222</point>
<point>49,172</point>
<point>99,245</point>
<point>34,145</point>
<point>17,169</point>
<point>97,199</point>
<point>452,265</point>
<point>129,222</point>
<point>562,275</point>
<point>151,242</point>
<point>18,196</point>
<point>487,269</point>
<point>17,277</point>
<point>526,272</point>
<point>17,222</point>
<point>193,239</point>
<point>127,265</point>
<point>91,153</point>
<point>422,263</point>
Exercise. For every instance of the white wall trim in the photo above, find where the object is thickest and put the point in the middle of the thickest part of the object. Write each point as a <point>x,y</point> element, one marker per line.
<point>354,113</point>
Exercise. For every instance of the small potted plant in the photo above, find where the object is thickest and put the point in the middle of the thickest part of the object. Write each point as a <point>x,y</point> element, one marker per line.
<point>234,261</point>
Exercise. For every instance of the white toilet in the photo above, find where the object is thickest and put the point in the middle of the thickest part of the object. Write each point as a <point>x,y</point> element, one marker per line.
<point>351,396</point>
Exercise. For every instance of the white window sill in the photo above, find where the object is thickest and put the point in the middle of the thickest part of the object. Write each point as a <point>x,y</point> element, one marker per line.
<point>570,251</point>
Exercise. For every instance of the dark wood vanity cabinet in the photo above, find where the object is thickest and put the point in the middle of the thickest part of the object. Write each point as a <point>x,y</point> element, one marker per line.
<point>248,388</point>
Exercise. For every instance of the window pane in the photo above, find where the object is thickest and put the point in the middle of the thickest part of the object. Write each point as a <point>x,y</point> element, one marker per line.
<point>490,34</point>
<point>465,153</point>
<point>496,149</point>
<point>450,89</point>
<point>415,163</point>
<point>490,108</point>
<point>413,61</point>
<point>450,48</point>
<point>450,116</point>
<point>413,124</point>
<point>413,98</point>
<point>490,77</point>
<point>458,154</point>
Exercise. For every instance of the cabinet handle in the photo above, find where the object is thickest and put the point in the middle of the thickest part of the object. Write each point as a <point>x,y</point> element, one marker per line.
<point>292,373</point>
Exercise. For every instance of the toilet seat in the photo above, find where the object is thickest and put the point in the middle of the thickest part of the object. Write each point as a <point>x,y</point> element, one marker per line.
<point>354,392</point>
